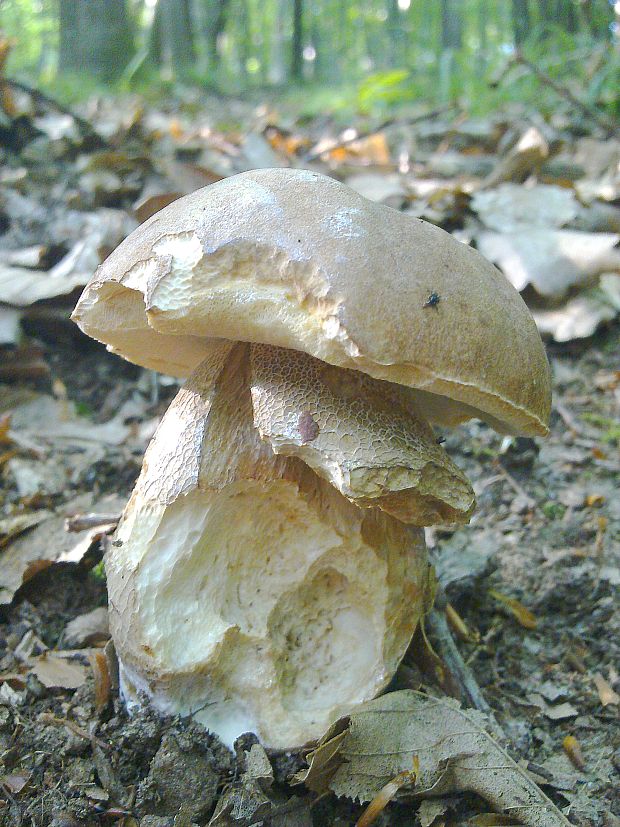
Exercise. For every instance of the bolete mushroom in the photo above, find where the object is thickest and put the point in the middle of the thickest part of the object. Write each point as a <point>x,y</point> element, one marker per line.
<point>270,569</point>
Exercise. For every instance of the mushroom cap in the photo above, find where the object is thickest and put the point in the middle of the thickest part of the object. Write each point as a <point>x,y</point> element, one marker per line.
<point>295,259</point>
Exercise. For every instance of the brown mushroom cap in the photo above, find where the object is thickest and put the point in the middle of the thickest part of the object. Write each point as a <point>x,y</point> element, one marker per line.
<point>295,259</point>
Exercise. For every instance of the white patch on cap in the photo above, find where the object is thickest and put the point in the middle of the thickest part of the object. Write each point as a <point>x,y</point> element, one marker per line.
<point>249,195</point>
<point>343,225</point>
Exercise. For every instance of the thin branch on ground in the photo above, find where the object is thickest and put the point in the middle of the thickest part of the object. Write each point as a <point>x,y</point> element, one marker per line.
<point>608,124</point>
<point>314,155</point>
<point>448,651</point>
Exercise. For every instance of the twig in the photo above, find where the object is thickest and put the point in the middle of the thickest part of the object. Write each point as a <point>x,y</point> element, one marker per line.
<point>435,113</point>
<point>531,503</point>
<point>83,522</point>
<point>48,718</point>
<point>437,624</point>
<point>87,128</point>
<point>602,120</point>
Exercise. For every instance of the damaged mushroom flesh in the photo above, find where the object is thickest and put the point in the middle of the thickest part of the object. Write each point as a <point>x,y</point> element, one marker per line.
<point>270,569</point>
<point>252,590</point>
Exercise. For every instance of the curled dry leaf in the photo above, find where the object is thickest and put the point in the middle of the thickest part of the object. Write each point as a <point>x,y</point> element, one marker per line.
<point>572,748</point>
<point>387,793</point>
<point>454,751</point>
<point>103,684</point>
<point>524,617</point>
<point>45,544</point>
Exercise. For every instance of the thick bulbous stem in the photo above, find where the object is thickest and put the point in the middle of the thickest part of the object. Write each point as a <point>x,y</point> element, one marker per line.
<point>246,590</point>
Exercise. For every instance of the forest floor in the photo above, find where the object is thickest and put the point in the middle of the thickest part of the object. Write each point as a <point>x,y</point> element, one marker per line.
<point>535,576</point>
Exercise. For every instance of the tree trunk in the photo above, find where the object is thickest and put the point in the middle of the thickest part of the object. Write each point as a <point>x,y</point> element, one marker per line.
<point>483,22</point>
<point>451,41</point>
<point>451,24</point>
<point>212,16</point>
<point>172,41</point>
<point>279,65</point>
<point>297,44</point>
<point>68,51</point>
<point>396,35</point>
<point>599,17</point>
<point>95,37</point>
<point>567,16</point>
<point>521,21</point>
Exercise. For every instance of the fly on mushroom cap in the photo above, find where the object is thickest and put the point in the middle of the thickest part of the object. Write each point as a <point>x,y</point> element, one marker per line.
<point>265,578</point>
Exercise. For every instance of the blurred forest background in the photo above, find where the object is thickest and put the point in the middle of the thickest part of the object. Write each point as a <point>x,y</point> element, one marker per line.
<point>364,52</point>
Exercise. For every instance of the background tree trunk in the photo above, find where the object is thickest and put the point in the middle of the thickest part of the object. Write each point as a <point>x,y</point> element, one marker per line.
<point>172,41</point>
<point>297,43</point>
<point>213,17</point>
<point>521,21</point>
<point>278,68</point>
<point>95,37</point>
<point>451,41</point>
<point>451,25</point>
<point>396,35</point>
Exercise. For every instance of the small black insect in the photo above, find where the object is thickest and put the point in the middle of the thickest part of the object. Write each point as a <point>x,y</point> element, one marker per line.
<point>440,439</point>
<point>433,300</point>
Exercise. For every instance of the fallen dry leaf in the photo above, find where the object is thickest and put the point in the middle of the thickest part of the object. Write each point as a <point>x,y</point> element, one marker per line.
<point>11,527</point>
<point>10,329</point>
<point>15,782</point>
<point>88,628</point>
<point>525,158</point>
<point>560,712</point>
<point>101,231</point>
<point>47,543</point>
<point>377,187</point>
<point>146,207</point>
<point>552,261</point>
<point>512,207</point>
<point>324,759</point>
<point>582,315</point>
<point>57,673</point>
<point>455,754</point>
<point>605,692</point>
<point>431,812</point>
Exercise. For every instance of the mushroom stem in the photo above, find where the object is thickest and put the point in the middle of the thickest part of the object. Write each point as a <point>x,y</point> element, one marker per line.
<point>247,591</point>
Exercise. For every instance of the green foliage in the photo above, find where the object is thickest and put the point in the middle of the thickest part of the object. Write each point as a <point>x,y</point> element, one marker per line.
<point>32,25</point>
<point>553,510</point>
<point>385,89</point>
<point>98,571</point>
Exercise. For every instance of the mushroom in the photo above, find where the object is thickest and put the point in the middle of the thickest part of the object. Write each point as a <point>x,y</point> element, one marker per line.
<point>270,568</point>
